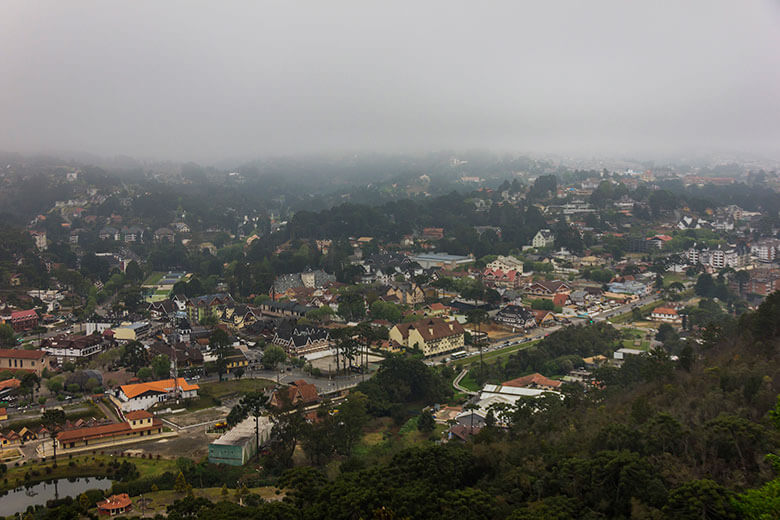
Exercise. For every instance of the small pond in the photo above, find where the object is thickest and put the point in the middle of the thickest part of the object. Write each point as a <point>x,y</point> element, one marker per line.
<point>17,500</point>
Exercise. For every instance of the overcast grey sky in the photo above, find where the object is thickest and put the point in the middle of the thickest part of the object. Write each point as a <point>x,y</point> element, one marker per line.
<point>206,81</point>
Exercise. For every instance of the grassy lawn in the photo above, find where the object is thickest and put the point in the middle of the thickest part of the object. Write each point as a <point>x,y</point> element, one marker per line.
<point>73,413</point>
<point>82,466</point>
<point>158,501</point>
<point>223,389</point>
<point>469,383</point>
<point>497,354</point>
<point>154,278</point>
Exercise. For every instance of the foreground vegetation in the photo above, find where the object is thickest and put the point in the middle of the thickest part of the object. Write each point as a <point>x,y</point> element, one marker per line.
<point>694,439</point>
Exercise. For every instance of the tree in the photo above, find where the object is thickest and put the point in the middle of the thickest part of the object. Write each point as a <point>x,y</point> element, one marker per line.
<point>133,272</point>
<point>742,277</point>
<point>53,419</point>
<point>219,343</point>
<point>426,423</point>
<point>180,486</point>
<point>7,336</point>
<point>272,356</point>
<point>144,374</point>
<point>238,373</point>
<point>700,500</point>
<point>134,356</point>
<point>352,417</point>
<point>352,306</point>
<point>253,404</point>
<point>161,366</point>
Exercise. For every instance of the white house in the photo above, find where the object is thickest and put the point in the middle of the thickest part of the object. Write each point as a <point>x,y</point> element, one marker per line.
<point>666,315</point>
<point>506,263</point>
<point>142,396</point>
<point>543,238</point>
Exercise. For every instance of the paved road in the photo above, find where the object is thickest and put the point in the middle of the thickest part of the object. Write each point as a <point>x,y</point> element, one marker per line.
<point>456,383</point>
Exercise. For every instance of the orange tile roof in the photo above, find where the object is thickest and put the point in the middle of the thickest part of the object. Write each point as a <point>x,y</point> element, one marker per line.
<point>137,415</point>
<point>10,383</point>
<point>533,379</point>
<point>665,310</point>
<point>115,502</point>
<point>161,386</point>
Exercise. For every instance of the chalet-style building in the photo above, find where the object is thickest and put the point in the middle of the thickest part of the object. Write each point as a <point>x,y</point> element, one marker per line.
<point>497,278</point>
<point>71,347</point>
<point>543,238</point>
<point>301,339</point>
<point>506,263</point>
<point>405,293</point>
<point>24,320</point>
<point>299,392</point>
<point>547,288</point>
<point>208,305</point>
<point>431,335</point>
<point>185,354</point>
<point>516,316</point>
<point>162,310</point>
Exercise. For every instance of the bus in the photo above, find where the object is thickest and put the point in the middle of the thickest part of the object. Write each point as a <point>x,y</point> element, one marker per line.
<point>459,354</point>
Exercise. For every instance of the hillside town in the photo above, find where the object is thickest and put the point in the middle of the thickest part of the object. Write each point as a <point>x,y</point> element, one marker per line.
<point>169,332</point>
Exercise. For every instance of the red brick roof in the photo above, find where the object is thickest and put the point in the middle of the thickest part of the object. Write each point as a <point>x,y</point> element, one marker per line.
<point>138,414</point>
<point>97,432</point>
<point>665,310</point>
<point>21,354</point>
<point>23,315</point>
<point>533,380</point>
<point>115,502</point>
<point>431,328</point>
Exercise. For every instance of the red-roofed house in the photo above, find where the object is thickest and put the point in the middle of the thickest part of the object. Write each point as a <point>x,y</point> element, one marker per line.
<point>659,240</point>
<point>135,426</point>
<point>299,392</point>
<point>24,320</point>
<point>115,505</point>
<point>666,315</point>
<point>141,396</point>
<point>560,299</point>
<point>534,381</point>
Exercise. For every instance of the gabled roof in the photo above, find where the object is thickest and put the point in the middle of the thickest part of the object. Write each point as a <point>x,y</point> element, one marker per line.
<point>532,380</point>
<point>163,387</point>
<point>138,415</point>
<point>431,328</point>
<point>21,354</point>
<point>23,315</point>
<point>665,310</point>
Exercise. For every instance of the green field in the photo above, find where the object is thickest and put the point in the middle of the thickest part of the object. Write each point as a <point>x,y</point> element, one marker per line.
<point>153,278</point>
<point>469,383</point>
<point>211,394</point>
<point>80,466</point>
<point>497,354</point>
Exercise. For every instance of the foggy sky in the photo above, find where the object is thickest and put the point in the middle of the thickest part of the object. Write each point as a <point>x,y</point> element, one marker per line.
<point>208,81</point>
